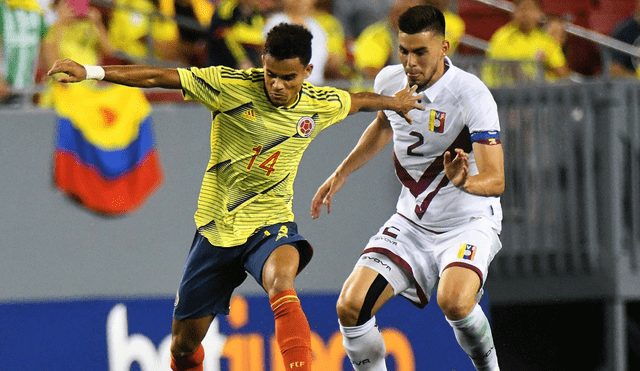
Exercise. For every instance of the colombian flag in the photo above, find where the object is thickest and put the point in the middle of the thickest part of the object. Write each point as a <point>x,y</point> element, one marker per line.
<point>105,155</point>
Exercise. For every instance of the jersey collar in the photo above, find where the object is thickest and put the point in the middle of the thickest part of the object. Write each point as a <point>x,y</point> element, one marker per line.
<point>434,90</point>
<point>295,103</point>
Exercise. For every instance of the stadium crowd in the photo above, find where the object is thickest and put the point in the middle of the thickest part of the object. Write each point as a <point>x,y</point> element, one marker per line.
<point>352,41</point>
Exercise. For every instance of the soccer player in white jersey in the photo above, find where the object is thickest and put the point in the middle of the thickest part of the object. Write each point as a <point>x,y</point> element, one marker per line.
<point>262,121</point>
<point>450,164</point>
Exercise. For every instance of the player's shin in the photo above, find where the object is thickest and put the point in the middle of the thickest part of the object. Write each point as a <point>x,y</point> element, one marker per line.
<point>292,331</point>
<point>474,336</point>
<point>192,362</point>
<point>365,346</point>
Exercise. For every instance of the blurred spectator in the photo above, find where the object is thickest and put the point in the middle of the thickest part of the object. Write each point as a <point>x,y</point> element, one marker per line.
<point>191,42</point>
<point>78,34</point>
<point>377,45</point>
<point>300,12</point>
<point>21,30</point>
<point>356,15</point>
<point>525,47</point>
<point>337,66</point>
<point>235,34</point>
<point>137,24</point>
<point>554,27</point>
<point>454,24</point>
<point>622,64</point>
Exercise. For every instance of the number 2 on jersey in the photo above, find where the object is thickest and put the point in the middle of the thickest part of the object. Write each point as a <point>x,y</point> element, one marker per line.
<point>418,143</point>
<point>267,164</point>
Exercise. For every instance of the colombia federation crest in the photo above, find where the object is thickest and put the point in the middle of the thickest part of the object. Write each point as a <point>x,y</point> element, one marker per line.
<point>306,126</point>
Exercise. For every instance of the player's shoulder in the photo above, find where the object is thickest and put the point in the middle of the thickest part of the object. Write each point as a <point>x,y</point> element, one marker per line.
<point>322,95</point>
<point>390,79</point>
<point>465,83</point>
<point>249,75</point>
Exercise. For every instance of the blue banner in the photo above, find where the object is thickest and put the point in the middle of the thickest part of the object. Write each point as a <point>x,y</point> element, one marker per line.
<point>134,335</point>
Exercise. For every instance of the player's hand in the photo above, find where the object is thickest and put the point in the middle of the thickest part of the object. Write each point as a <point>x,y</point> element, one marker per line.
<point>408,100</point>
<point>325,194</point>
<point>73,72</point>
<point>457,170</point>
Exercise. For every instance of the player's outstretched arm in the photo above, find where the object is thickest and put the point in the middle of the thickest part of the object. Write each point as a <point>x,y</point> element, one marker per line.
<point>136,76</point>
<point>372,141</point>
<point>402,102</point>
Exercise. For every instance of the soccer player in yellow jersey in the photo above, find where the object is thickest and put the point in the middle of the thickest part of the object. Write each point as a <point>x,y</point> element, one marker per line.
<point>263,120</point>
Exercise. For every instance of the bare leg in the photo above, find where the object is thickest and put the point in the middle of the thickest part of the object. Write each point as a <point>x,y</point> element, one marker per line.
<point>187,335</point>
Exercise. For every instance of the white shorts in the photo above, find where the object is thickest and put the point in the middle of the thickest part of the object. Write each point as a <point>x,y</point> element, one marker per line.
<point>412,258</point>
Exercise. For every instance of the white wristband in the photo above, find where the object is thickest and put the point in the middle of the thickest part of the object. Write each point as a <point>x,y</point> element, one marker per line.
<point>94,72</point>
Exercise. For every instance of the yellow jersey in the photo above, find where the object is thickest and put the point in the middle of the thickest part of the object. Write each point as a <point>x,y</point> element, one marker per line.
<point>256,148</point>
<point>510,44</point>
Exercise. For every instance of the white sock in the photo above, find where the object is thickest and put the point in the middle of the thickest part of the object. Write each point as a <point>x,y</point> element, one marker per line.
<point>474,336</point>
<point>365,346</point>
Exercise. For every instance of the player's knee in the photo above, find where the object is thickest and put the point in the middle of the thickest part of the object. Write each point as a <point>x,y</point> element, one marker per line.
<point>455,307</point>
<point>279,283</point>
<point>348,310</point>
<point>183,346</point>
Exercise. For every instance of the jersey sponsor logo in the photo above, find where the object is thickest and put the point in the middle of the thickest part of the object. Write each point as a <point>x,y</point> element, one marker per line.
<point>306,126</point>
<point>467,251</point>
<point>436,121</point>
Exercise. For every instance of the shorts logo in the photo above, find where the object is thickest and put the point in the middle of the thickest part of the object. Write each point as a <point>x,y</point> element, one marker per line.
<point>283,232</point>
<point>385,265</point>
<point>467,252</point>
<point>306,126</point>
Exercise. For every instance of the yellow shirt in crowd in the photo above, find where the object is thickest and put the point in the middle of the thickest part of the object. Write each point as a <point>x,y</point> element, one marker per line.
<point>374,45</point>
<point>508,43</point>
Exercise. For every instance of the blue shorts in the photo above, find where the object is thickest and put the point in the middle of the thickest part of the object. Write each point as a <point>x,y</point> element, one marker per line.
<point>211,273</point>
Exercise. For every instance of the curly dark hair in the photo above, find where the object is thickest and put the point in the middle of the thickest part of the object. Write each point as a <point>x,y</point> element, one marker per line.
<point>287,41</point>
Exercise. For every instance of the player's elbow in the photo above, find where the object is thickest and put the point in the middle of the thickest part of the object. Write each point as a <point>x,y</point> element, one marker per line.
<point>497,188</point>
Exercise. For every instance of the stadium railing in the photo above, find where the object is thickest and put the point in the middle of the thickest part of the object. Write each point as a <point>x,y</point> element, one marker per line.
<point>571,228</point>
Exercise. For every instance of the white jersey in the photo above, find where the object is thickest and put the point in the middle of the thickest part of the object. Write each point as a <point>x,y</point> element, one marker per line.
<point>456,106</point>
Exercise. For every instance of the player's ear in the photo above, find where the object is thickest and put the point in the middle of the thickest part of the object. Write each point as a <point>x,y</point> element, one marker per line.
<point>307,71</point>
<point>445,47</point>
<point>262,59</point>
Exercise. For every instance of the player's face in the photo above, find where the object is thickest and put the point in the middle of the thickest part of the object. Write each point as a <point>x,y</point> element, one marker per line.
<point>422,56</point>
<point>283,79</point>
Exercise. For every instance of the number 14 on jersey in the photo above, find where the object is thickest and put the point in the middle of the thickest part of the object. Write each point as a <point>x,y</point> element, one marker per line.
<point>268,164</point>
